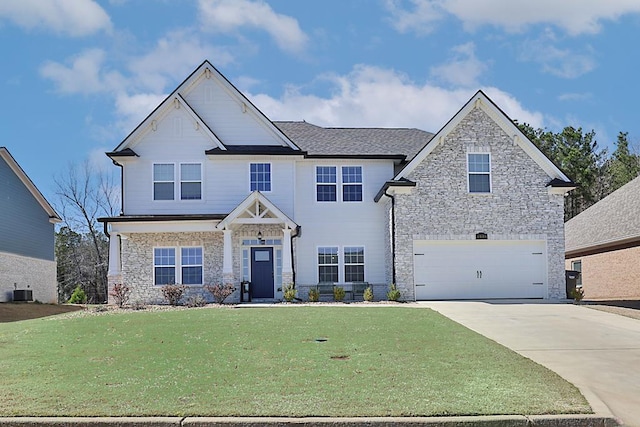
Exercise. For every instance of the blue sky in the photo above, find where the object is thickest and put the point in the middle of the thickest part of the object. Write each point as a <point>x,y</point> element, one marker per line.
<point>78,75</point>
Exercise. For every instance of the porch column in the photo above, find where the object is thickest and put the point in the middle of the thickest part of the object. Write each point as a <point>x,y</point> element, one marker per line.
<point>227,261</point>
<point>287,269</point>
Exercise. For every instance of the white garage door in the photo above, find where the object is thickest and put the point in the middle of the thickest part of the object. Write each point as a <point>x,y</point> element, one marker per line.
<point>479,269</point>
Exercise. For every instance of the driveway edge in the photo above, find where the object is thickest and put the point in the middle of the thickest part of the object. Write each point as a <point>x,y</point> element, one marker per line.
<point>465,421</point>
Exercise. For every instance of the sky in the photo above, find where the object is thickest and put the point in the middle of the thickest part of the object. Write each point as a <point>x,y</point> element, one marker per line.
<point>77,76</point>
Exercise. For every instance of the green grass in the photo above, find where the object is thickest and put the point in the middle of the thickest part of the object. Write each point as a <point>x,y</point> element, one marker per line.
<point>377,361</point>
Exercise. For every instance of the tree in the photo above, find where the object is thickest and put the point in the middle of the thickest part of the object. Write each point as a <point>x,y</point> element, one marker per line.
<point>623,166</point>
<point>84,194</point>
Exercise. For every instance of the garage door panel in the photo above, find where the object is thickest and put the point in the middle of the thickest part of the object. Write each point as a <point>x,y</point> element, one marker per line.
<point>479,269</point>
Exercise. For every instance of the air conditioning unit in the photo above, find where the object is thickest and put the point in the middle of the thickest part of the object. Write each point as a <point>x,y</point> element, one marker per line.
<point>22,295</point>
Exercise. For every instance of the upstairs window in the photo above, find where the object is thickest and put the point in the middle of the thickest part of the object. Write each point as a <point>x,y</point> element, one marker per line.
<point>326,184</point>
<point>352,183</point>
<point>479,168</point>
<point>354,264</point>
<point>260,176</point>
<point>190,181</point>
<point>328,264</point>
<point>163,181</point>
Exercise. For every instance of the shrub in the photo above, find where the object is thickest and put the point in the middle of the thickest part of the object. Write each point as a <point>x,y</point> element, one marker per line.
<point>577,294</point>
<point>338,293</point>
<point>314,295</point>
<point>394,293</point>
<point>173,293</point>
<point>289,292</point>
<point>368,294</point>
<point>220,292</point>
<point>196,301</point>
<point>120,294</point>
<point>78,296</point>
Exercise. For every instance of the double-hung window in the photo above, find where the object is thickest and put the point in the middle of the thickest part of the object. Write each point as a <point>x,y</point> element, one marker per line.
<point>164,266</point>
<point>354,264</point>
<point>163,181</point>
<point>260,176</point>
<point>479,169</point>
<point>168,269</point>
<point>328,264</point>
<point>190,181</point>
<point>351,183</point>
<point>326,184</point>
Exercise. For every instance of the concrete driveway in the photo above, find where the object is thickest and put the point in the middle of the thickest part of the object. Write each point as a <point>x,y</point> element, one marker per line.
<point>598,352</point>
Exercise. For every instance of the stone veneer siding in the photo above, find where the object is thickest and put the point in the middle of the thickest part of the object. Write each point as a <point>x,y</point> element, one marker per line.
<point>610,275</point>
<point>28,273</point>
<point>440,207</point>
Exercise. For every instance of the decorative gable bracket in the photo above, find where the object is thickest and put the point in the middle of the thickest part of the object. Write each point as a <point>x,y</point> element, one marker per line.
<point>256,209</point>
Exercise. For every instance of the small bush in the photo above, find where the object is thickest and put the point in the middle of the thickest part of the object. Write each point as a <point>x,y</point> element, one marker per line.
<point>196,301</point>
<point>394,293</point>
<point>338,293</point>
<point>289,292</point>
<point>78,296</point>
<point>120,294</point>
<point>577,294</point>
<point>173,293</point>
<point>314,295</point>
<point>220,292</point>
<point>138,305</point>
<point>368,294</point>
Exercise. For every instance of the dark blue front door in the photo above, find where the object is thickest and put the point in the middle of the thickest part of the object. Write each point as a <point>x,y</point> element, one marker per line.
<point>262,272</point>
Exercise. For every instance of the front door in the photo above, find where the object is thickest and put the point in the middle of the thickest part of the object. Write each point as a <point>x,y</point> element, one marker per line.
<point>262,272</point>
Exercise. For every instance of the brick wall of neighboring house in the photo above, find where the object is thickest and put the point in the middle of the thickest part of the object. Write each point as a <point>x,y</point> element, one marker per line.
<point>441,208</point>
<point>28,273</point>
<point>610,275</point>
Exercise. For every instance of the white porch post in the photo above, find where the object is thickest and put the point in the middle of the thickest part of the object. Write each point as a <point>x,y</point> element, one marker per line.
<point>114,273</point>
<point>227,260</point>
<point>287,266</point>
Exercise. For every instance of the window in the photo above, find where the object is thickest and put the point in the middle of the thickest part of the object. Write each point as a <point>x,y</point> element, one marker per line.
<point>577,266</point>
<point>164,265</point>
<point>190,181</point>
<point>326,184</point>
<point>354,264</point>
<point>328,264</point>
<point>479,173</point>
<point>260,176</point>
<point>191,261</point>
<point>352,183</point>
<point>163,181</point>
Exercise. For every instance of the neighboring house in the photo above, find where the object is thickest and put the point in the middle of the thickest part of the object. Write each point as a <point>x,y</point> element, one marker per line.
<point>603,242</point>
<point>27,228</point>
<point>215,192</point>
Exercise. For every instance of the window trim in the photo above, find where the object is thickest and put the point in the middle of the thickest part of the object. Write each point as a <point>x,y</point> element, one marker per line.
<point>469,173</point>
<point>341,262</point>
<point>178,264</point>
<point>154,181</point>
<point>573,267</point>
<point>201,265</point>
<point>317,184</point>
<point>270,176</point>
<point>344,184</point>
<point>337,264</point>
<point>201,181</point>
<point>345,264</point>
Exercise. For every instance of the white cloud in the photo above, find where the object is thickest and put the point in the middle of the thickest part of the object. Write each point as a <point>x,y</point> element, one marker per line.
<point>463,69</point>
<point>132,109</point>
<point>229,15</point>
<point>557,61</point>
<point>371,96</point>
<point>573,16</point>
<point>70,17</point>
<point>575,96</point>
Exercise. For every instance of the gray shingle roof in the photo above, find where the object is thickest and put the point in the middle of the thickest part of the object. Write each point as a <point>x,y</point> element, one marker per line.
<point>316,140</point>
<point>614,219</point>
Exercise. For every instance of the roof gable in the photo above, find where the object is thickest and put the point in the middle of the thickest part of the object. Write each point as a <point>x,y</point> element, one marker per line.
<point>15,167</point>
<point>179,98</point>
<point>256,209</point>
<point>482,101</point>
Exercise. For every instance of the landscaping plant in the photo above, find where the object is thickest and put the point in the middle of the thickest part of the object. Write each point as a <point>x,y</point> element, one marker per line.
<point>173,293</point>
<point>394,293</point>
<point>314,295</point>
<point>338,293</point>
<point>289,292</point>
<point>220,292</point>
<point>368,294</point>
<point>120,294</point>
<point>78,296</point>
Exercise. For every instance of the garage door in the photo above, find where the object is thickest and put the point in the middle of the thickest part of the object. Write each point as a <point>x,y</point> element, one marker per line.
<point>479,269</point>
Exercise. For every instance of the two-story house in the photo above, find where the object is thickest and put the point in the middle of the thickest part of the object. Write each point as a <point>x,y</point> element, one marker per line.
<point>215,192</point>
<point>27,222</point>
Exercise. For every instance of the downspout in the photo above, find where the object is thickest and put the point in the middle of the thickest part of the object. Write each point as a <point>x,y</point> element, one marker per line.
<point>121,186</point>
<point>393,235</point>
<point>293,261</point>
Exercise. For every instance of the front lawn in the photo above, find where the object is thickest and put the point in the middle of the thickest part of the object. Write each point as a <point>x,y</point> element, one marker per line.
<point>285,361</point>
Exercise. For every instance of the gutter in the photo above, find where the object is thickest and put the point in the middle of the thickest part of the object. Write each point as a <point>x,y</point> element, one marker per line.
<point>393,235</point>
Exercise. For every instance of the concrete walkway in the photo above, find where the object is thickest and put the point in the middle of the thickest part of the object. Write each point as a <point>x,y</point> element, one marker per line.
<point>598,352</point>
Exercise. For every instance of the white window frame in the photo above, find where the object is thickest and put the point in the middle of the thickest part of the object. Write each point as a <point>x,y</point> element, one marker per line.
<point>573,267</point>
<point>184,264</point>
<point>270,177</point>
<point>201,181</point>
<point>178,264</point>
<point>317,184</point>
<point>341,264</point>
<point>469,173</point>
<point>344,184</point>
<point>345,264</point>
<point>154,181</point>
<point>337,264</point>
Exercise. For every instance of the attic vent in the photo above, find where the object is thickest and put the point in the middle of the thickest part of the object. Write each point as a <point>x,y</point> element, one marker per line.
<point>481,236</point>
